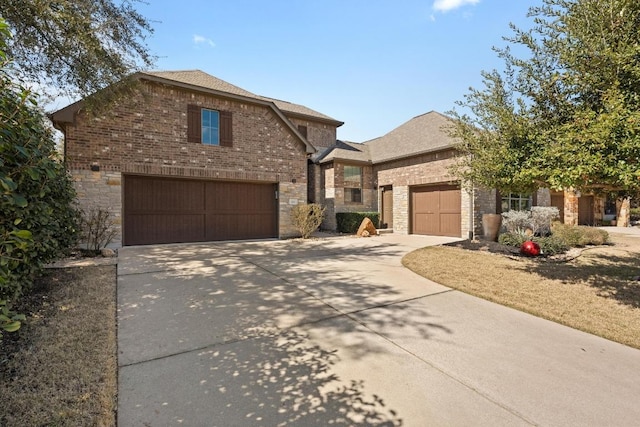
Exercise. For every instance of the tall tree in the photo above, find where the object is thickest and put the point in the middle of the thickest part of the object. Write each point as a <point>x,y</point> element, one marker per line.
<point>566,113</point>
<point>76,47</point>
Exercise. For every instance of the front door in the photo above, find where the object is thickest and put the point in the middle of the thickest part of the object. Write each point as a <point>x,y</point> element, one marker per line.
<point>387,207</point>
<point>585,210</point>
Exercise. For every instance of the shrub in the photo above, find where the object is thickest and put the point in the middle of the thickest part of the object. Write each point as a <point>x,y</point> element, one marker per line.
<point>348,222</point>
<point>307,218</point>
<point>634,214</point>
<point>542,217</point>
<point>515,239</point>
<point>9,320</point>
<point>514,221</point>
<point>579,235</point>
<point>551,245</point>
<point>38,222</point>
<point>97,228</point>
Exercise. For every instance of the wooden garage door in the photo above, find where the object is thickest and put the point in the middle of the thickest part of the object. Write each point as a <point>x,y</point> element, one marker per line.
<point>435,210</point>
<point>165,210</point>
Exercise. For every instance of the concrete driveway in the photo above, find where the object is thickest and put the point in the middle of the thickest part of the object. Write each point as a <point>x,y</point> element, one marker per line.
<point>337,332</point>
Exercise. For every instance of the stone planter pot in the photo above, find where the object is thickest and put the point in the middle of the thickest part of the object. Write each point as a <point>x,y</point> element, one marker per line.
<point>491,226</point>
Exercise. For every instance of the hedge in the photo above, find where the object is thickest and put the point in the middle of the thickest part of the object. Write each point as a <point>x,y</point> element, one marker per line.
<point>348,222</point>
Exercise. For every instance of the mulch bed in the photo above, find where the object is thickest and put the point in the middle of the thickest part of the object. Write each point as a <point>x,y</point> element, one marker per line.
<point>512,251</point>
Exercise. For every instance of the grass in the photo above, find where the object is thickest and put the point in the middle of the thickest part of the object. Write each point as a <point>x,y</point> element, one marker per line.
<point>60,368</point>
<point>595,292</point>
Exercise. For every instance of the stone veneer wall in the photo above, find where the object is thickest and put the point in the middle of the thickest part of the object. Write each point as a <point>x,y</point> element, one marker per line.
<point>401,209</point>
<point>101,190</point>
<point>570,208</point>
<point>484,202</point>
<point>289,196</point>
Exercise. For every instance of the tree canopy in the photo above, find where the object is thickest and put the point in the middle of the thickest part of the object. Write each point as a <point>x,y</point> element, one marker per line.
<point>566,114</point>
<point>76,47</point>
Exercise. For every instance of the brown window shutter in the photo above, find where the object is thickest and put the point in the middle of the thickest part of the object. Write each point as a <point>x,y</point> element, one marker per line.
<point>303,130</point>
<point>226,129</point>
<point>194,124</point>
<point>498,202</point>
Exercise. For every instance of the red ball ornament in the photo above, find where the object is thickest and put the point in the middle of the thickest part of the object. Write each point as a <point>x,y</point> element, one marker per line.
<point>530,248</point>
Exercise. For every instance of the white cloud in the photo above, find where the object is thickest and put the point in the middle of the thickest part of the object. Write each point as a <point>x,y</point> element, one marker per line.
<point>198,39</point>
<point>447,5</point>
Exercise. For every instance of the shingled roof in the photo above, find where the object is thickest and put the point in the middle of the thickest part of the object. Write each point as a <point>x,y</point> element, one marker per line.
<point>345,150</point>
<point>422,134</point>
<point>201,79</point>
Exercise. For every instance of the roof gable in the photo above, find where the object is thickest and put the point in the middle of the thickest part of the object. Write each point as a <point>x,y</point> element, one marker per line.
<point>422,134</point>
<point>198,80</point>
<point>206,81</point>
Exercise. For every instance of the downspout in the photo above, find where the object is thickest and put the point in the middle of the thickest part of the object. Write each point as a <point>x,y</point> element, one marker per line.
<point>472,216</point>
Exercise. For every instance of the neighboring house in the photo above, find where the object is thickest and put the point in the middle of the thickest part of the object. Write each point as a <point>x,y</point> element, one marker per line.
<point>405,176</point>
<point>193,158</point>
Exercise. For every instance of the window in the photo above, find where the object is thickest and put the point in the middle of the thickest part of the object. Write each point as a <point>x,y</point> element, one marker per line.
<point>210,127</point>
<point>610,207</point>
<point>303,130</point>
<point>516,202</point>
<point>353,184</point>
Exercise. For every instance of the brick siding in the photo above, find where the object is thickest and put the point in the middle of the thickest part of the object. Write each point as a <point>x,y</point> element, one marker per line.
<point>148,135</point>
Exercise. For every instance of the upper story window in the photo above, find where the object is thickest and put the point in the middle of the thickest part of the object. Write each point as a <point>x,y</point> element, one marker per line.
<point>353,184</point>
<point>208,126</point>
<point>516,202</point>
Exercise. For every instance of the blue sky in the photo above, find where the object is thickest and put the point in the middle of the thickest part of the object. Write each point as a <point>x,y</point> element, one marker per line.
<point>372,64</point>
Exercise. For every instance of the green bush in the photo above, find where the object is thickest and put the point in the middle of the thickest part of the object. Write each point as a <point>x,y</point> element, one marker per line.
<point>635,214</point>
<point>579,235</point>
<point>549,245</point>
<point>513,239</point>
<point>348,222</point>
<point>38,222</point>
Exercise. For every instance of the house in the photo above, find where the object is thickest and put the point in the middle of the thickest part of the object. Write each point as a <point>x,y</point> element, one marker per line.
<point>194,158</point>
<point>404,175</point>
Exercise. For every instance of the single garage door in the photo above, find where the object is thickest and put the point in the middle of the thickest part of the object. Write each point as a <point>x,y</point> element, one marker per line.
<point>435,210</point>
<point>167,210</point>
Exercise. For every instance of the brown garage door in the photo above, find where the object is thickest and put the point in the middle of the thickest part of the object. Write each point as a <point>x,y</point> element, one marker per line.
<point>166,210</point>
<point>435,210</point>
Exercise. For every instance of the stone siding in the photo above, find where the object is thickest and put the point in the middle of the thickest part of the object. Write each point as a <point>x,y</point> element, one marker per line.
<point>570,208</point>
<point>289,196</point>
<point>101,190</point>
<point>401,209</point>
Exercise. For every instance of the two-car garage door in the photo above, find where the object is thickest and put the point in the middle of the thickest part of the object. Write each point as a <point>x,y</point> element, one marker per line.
<point>168,210</point>
<point>436,210</point>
